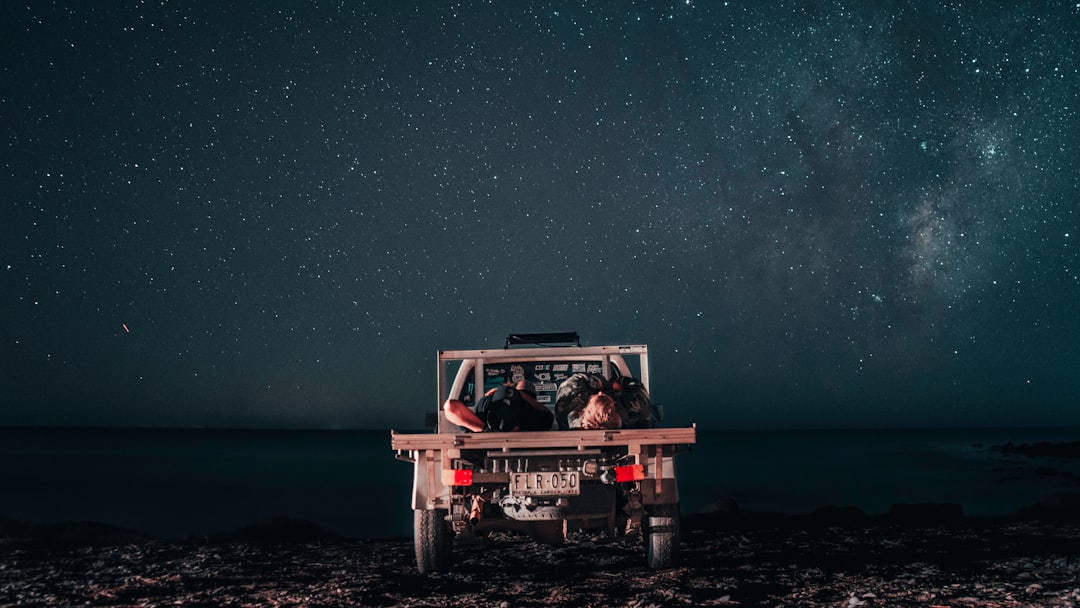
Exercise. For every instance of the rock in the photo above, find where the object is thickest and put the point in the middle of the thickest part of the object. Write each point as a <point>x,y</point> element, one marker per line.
<point>12,527</point>
<point>1042,449</point>
<point>1061,506</point>
<point>838,515</point>
<point>927,512</point>
<point>86,534</point>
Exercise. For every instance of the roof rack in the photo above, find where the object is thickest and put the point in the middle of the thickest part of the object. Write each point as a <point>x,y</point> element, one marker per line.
<point>563,338</point>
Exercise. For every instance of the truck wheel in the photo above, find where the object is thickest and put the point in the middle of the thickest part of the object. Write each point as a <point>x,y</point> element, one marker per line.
<point>662,536</point>
<point>434,540</point>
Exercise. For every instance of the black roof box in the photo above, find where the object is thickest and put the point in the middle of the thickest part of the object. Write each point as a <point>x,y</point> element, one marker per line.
<point>568,338</point>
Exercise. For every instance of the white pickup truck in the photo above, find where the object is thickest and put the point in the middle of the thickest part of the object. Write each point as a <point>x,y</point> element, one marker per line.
<point>541,483</point>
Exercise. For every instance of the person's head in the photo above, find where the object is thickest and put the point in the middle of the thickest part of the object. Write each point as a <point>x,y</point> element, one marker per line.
<point>600,413</point>
<point>602,399</point>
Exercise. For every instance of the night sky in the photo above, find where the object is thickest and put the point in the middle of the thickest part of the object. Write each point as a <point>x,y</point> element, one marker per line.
<point>272,214</point>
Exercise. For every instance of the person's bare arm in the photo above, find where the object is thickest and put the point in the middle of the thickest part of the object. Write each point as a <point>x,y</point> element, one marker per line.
<point>460,414</point>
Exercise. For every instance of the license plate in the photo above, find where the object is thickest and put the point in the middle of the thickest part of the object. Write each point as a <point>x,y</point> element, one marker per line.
<point>566,483</point>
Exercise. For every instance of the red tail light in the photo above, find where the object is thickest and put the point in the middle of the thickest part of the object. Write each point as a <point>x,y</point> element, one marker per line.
<point>457,477</point>
<point>630,472</point>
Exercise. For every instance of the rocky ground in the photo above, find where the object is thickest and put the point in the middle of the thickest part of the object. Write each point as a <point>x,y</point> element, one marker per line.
<point>837,559</point>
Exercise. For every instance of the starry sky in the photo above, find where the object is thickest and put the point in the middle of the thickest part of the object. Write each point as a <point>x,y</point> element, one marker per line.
<point>272,214</point>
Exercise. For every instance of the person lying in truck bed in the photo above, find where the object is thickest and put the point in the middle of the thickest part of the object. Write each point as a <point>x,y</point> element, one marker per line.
<point>588,401</point>
<point>503,408</point>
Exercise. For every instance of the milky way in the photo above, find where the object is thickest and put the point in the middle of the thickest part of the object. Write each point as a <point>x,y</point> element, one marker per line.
<point>816,214</point>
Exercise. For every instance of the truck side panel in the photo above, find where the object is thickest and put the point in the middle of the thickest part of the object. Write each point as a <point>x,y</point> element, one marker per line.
<point>661,487</point>
<point>428,489</point>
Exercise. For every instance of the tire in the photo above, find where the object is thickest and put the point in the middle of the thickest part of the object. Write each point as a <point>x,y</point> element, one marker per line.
<point>662,536</point>
<point>434,541</point>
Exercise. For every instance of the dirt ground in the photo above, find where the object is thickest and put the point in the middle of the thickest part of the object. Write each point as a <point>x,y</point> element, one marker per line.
<point>723,563</point>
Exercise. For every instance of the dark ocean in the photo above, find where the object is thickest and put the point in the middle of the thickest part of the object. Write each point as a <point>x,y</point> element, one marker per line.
<point>180,483</point>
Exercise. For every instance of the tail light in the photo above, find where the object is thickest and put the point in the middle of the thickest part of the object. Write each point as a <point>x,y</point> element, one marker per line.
<point>630,472</point>
<point>457,477</point>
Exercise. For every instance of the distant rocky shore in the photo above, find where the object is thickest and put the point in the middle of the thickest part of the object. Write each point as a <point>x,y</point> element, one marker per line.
<point>1043,449</point>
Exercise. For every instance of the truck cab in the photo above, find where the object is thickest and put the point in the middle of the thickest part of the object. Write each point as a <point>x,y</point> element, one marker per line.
<point>542,483</point>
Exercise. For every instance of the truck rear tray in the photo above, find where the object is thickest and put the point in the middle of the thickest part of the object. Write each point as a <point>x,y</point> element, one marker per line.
<point>579,440</point>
